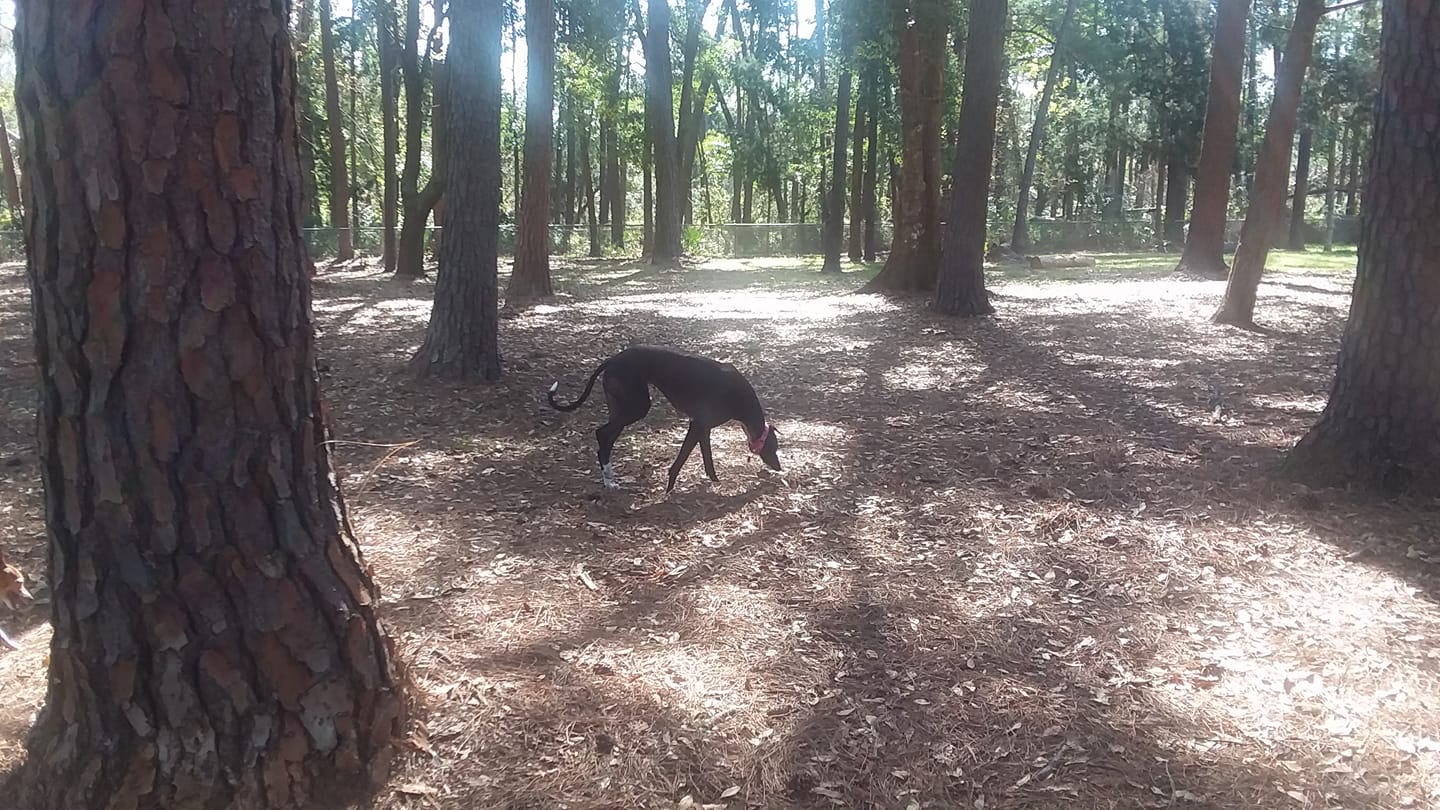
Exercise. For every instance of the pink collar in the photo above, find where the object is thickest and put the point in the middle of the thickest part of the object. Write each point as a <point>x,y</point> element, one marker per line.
<point>756,445</point>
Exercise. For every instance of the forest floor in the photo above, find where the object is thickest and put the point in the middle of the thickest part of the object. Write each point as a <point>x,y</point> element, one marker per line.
<point>1029,561</point>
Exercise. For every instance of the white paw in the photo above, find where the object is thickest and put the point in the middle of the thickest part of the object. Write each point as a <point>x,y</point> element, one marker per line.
<point>607,477</point>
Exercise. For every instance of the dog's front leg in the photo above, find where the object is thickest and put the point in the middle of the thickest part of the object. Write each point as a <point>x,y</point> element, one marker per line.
<point>705,455</point>
<point>686,448</point>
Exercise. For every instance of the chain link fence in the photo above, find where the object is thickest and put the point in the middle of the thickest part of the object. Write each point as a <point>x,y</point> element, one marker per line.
<point>748,240</point>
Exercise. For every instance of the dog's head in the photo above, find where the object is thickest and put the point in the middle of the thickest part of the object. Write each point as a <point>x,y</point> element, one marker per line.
<point>12,585</point>
<point>767,447</point>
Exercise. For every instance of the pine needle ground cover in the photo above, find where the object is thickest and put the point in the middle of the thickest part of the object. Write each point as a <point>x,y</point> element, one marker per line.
<point>1040,560</point>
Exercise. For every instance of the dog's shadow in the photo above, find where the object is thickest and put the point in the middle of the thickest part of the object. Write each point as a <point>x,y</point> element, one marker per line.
<point>684,507</point>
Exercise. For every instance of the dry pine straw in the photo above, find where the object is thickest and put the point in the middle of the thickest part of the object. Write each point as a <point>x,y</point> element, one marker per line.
<point>1035,561</point>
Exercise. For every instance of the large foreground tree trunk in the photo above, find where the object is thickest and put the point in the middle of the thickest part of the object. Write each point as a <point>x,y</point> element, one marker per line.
<point>339,171</point>
<point>1020,237</point>
<point>462,342</point>
<point>530,278</point>
<point>960,288</point>
<point>1272,170</point>
<point>659,88</point>
<point>215,641</point>
<point>915,251</point>
<point>1205,242</point>
<point>1382,425</point>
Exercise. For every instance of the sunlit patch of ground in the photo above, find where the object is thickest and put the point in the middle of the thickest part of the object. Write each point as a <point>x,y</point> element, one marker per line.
<point>1038,560</point>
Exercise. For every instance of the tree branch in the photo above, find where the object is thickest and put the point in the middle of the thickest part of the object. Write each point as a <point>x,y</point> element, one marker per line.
<point>1343,6</point>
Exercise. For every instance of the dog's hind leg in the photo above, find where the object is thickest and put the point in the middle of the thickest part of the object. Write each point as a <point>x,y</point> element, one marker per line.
<point>628,405</point>
<point>705,455</point>
<point>686,448</point>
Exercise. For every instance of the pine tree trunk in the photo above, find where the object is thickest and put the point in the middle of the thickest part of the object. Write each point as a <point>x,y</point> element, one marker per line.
<point>615,168</point>
<point>462,342</point>
<point>857,169</point>
<point>416,203</point>
<point>660,90</point>
<point>872,172</point>
<point>417,207</point>
<point>1205,242</point>
<point>1381,427</point>
<point>1302,190</point>
<point>11,179</point>
<point>530,278</point>
<point>960,288</point>
<point>587,173</point>
<point>216,642</point>
<point>390,113</point>
<point>835,222</point>
<point>1020,237</point>
<point>915,253</point>
<point>1330,178</point>
<point>339,171</point>
<point>1177,191</point>
<point>692,107</point>
<point>1352,185</point>
<point>1271,171</point>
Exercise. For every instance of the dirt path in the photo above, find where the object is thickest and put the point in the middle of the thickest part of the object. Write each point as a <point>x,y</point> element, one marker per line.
<point>1034,561</point>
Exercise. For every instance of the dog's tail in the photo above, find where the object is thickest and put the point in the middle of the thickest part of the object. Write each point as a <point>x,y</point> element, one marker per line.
<point>581,401</point>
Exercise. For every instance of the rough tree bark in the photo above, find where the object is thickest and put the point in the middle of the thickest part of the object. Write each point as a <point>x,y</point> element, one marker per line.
<point>530,278</point>
<point>915,252</point>
<point>1302,190</point>
<point>1177,193</point>
<point>462,341</point>
<point>1272,169</point>
<point>215,641</point>
<point>1020,237</point>
<point>339,171</point>
<point>659,85</point>
<point>1381,427</point>
<point>1205,242</point>
<point>960,288</point>
<point>389,48</point>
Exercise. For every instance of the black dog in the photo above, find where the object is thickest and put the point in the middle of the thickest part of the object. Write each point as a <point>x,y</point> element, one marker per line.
<point>708,392</point>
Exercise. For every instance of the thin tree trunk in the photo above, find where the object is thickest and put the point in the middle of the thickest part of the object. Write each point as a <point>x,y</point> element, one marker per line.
<point>659,89</point>
<point>1352,186</point>
<point>692,105</point>
<point>835,208</point>
<point>12,182</point>
<point>872,171</point>
<point>339,172</point>
<point>960,288</point>
<point>1302,190</point>
<point>1020,237</point>
<point>415,205</point>
<point>1157,221</point>
<point>1330,178</point>
<point>1381,427</point>
<point>1205,242</point>
<point>462,341</point>
<point>857,168</point>
<point>215,637</point>
<point>1177,191</point>
<point>390,124</point>
<point>530,278</point>
<point>1271,171</point>
<point>588,177</point>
